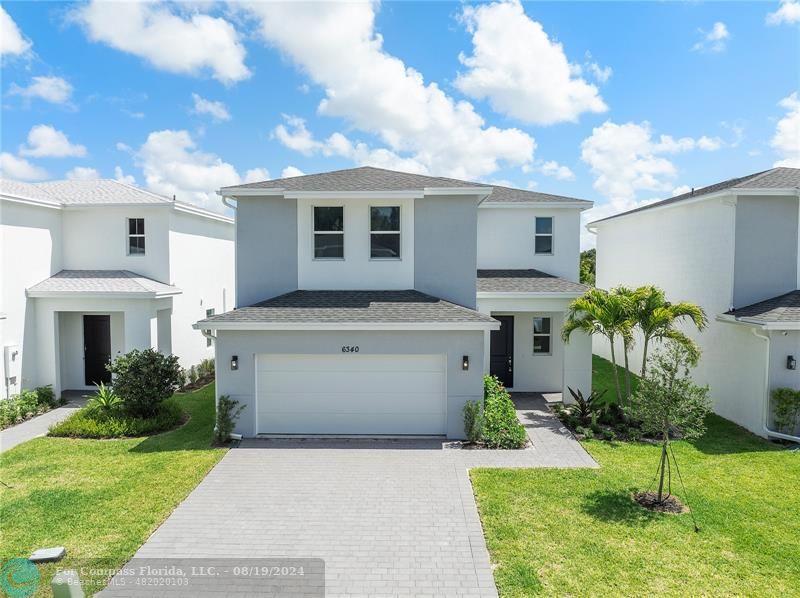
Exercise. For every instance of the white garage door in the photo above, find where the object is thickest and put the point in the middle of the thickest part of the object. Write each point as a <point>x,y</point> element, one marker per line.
<point>350,394</point>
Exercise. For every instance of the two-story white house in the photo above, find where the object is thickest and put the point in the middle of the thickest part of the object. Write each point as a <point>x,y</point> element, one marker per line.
<point>92,269</point>
<point>732,248</point>
<point>372,301</point>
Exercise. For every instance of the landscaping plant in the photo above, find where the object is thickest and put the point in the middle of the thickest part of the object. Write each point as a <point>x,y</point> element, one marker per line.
<point>586,407</point>
<point>26,405</point>
<point>104,401</point>
<point>785,409</point>
<point>91,423</point>
<point>144,380</point>
<point>473,421</point>
<point>669,403</point>
<point>501,428</point>
<point>228,411</point>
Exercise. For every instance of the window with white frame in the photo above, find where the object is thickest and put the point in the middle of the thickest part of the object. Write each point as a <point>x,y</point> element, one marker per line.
<point>135,236</point>
<point>209,313</point>
<point>541,336</point>
<point>543,235</point>
<point>384,232</point>
<point>329,232</point>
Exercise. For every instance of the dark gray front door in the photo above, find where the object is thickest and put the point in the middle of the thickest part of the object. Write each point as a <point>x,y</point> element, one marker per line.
<point>501,359</point>
<point>96,349</point>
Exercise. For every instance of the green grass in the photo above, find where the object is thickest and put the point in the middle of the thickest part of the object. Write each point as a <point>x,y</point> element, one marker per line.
<point>603,378</point>
<point>101,499</point>
<point>577,532</point>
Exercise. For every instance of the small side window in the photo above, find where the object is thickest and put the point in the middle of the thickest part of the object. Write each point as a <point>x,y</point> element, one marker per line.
<point>135,236</point>
<point>543,235</point>
<point>541,336</point>
<point>209,313</point>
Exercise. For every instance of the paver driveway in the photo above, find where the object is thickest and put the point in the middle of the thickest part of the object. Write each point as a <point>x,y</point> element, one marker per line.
<point>389,517</point>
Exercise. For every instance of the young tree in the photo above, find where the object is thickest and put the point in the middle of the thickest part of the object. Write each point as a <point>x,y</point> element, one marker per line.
<point>656,318</point>
<point>598,312</point>
<point>668,402</point>
<point>629,299</point>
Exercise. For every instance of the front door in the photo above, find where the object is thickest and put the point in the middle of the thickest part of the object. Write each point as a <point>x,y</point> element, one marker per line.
<point>96,349</point>
<point>501,359</point>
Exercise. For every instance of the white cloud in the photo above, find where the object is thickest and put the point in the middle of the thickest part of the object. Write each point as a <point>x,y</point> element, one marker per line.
<point>172,164</point>
<point>561,172</point>
<point>680,190</point>
<point>120,176</point>
<point>336,46</point>
<point>786,140</point>
<point>714,40</point>
<point>12,41</point>
<point>170,42</point>
<point>46,141</point>
<point>256,174</point>
<point>51,89</point>
<point>521,70</point>
<point>82,173</point>
<point>601,73</point>
<point>788,12</point>
<point>299,138</point>
<point>291,171</point>
<point>12,167</point>
<point>216,110</point>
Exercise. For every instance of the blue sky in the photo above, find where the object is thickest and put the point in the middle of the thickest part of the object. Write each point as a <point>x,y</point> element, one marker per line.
<point>617,102</point>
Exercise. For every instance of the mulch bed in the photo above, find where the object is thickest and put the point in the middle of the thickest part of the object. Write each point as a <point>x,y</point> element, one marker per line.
<point>669,504</point>
<point>197,385</point>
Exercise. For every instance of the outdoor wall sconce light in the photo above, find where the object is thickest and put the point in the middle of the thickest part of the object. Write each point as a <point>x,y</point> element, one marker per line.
<point>791,363</point>
<point>234,362</point>
<point>465,362</point>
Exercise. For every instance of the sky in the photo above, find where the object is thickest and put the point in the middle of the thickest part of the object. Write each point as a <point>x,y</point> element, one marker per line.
<point>621,103</point>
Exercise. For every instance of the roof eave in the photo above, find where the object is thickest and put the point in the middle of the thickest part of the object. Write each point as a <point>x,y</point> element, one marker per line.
<point>33,293</point>
<point>529,294</point>
<point>380,326</point>
<point>753,323</point>
<point>565,204</point>
<point>234,192</point>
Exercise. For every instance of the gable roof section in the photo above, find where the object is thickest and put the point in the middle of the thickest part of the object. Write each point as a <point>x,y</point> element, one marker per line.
<point>369,178</point>
<point>781,310</point>
<point>526,281</point>
<point>775,178</point>
<point>101,283</point>
<point>355,308</point>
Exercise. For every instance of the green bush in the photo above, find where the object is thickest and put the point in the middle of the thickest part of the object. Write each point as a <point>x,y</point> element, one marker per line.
<point>105,401</point>
<point>192,375</point>
<point>145,379</point>
<point>205,369</point>
<point>501,428</point>
<point>91,423</point>
<point>473,421</point>
<point>227,414</point>
<point>785,408</point>
<point>26,405</point>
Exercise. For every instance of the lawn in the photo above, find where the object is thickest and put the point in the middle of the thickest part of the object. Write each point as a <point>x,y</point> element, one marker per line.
<point>101,499</point>
<point>577,532</point>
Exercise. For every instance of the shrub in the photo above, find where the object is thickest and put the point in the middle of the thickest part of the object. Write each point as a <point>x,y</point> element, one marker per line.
<point>227,413</point>
<point>105,401</point>
<point>90,423</point>
<point>785,408</point>
<point>205,369</point>
<point>501,428</point>
<point>473,421</point>
<point>145,379</point>
<point>587,408</point>
<point>25,405</point>
<point>192,375</point>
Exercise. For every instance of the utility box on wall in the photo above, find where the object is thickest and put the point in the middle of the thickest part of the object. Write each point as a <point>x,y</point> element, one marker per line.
<point>11,367</point>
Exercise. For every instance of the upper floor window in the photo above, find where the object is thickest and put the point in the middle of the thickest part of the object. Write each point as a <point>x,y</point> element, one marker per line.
<point>541,336</point>
<point>209,313</point>
<point>384,232</point>
<point>135,236</point>
<point>543,237</point>
<point>329,232</point>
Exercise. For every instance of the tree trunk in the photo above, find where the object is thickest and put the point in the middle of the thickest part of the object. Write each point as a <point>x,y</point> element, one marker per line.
<point>627,374</point>
<point>663,471</point>
<point>616,373</point>
<point>644,355</point>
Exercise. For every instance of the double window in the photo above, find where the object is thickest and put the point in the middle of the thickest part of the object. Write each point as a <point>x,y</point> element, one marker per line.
<point>543,235</point>
<point>135,236</point>
<point>329,232</point>
<point>541,336</point>
<point>384,232</point>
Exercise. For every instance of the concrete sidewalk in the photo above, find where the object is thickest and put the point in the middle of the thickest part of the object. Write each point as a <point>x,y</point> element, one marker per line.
<point>38,426</point>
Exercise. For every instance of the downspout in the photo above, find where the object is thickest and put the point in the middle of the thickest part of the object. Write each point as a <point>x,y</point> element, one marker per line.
<point>769,432</point>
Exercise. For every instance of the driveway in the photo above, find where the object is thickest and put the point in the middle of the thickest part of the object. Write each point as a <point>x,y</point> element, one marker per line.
<point>388,517</point>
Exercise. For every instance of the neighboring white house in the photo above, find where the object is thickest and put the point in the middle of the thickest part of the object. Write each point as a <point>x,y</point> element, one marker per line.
<point>92,269</point>
<point>372,301</point>
<point>732,248</point>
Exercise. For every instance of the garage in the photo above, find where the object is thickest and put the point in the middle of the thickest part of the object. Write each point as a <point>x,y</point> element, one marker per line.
<point>351,394</point>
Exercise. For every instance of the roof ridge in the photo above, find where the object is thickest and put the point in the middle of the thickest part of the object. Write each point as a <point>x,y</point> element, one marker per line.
<point>756,176</point>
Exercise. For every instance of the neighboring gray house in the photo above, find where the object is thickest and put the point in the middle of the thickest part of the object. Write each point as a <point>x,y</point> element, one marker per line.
<point>732,248</point>
<point>372,302</point>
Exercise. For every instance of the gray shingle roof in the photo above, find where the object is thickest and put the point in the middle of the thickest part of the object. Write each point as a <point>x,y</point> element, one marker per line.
<point>369,178</point>
<point>94,192</point>
<point>102,282</point>
<point>525,281</point>
<point>775,178</point>
<point>352,307</point>
<point>782,309</point>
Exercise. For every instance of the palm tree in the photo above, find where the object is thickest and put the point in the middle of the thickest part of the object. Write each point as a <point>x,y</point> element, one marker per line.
<point>657,317</point>
<point>598,312</point>
<point>629,299</point>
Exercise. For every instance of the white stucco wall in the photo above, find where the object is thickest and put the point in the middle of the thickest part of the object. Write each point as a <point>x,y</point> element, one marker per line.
<point>781,346</point>
<point>506,240</point>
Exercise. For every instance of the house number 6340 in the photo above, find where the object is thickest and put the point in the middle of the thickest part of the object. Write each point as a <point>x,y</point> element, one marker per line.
<point>350,349</point>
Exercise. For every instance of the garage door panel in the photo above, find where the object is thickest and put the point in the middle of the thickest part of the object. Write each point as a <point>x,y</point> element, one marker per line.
<point>350,394</point>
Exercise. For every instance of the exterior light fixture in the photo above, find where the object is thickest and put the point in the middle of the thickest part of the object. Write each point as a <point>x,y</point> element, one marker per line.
<point>234,362</point>
<point>465,362</point>
<point>791,362</point>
